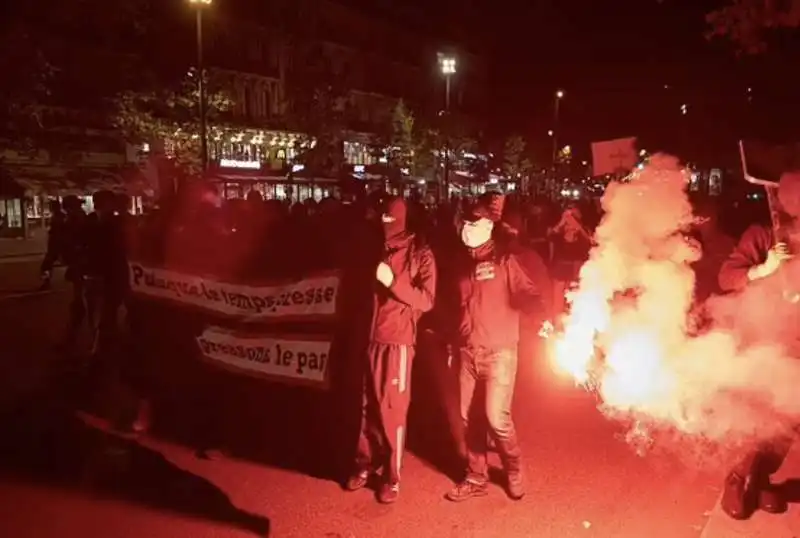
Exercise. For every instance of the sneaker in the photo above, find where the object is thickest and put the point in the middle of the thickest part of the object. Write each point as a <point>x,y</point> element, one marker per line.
<point>466,490</point>
<point>515,487</point>
<point>734,497</point>
<point>357,481</point>
<point>388,493</point>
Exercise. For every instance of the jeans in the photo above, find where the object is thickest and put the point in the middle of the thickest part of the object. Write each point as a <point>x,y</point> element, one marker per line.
<point>486,380</point>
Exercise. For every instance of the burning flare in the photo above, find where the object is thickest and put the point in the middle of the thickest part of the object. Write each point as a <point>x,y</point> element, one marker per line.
<point>626,336</point>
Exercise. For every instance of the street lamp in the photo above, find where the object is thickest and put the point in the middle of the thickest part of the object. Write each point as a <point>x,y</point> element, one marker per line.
<point>199,6</point>
<point>556,102</point>
<point>447,65</point>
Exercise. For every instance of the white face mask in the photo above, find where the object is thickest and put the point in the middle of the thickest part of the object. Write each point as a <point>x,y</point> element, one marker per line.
<point>478,233</point>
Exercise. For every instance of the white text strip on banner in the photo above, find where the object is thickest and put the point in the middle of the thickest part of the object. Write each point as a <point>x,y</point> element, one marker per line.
<point>291,359</point>
<point>309,298</point>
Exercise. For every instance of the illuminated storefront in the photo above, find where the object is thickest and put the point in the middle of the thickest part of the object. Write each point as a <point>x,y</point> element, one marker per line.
<point>236,179</point>
<point>361,154</point>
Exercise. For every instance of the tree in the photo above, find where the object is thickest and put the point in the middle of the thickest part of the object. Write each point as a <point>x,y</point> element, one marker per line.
<point>172,114</point>
<point>45,56</point>
<point>516,164</point>
<point>317,108</point>
<point>26,87</point>
<point>402,143</point>
<point>748,23</point>
<point>412,145</point>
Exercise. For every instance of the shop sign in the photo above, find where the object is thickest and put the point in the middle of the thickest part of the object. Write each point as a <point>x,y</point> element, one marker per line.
<point>247,165</point>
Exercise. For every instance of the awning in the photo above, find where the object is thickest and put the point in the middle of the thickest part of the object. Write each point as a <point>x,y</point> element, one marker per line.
<point>246,178</point>
<point>129,180</point>
<point>43,180</point>
<point>54,181</point>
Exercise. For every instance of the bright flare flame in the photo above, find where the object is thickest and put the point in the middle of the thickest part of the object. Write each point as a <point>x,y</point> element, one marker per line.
<point>626,338</point>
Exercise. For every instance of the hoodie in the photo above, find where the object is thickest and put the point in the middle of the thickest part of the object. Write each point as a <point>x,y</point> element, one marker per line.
<point>397,309</point>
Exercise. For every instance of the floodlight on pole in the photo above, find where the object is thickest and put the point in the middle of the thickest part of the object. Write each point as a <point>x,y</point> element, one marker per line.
<point>447,65</point>
<point>199,6</point>
<point>559,95</point>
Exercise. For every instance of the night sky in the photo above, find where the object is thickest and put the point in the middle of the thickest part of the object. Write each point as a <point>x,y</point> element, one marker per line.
<point>626,66</point>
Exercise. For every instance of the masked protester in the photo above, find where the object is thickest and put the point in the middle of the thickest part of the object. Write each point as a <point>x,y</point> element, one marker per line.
<point>760,259</point>
<point>404,287</point>
<point>493,288</point>
<point>72,250</point>
<point>570,244</point>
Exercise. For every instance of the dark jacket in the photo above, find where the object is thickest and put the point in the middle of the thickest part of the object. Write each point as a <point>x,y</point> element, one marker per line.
<point>762,313</point>
<point>751,250</point>
<point>493,288</point>
<point>72,245</point>
<point>107,254</point>
<point>568,257</point>
<point>397,309</point>
<point>534,266</point>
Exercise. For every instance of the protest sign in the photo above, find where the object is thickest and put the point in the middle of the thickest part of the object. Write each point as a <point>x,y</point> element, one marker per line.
<point>614,156</point>
<point>310,298</point>
<point>295,360</point>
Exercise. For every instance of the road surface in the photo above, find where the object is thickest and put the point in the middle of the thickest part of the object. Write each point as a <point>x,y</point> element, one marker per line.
<point>60,477</point>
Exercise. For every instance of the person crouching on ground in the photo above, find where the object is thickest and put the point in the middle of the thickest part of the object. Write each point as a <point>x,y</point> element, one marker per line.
<point>404,288</point>
<point>493,287</point>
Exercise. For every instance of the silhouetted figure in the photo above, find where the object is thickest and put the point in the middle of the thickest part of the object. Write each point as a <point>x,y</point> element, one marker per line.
<point>55,238</point>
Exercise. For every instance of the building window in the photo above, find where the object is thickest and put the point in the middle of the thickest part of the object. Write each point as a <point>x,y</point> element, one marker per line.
<point>715,182</point>
<point>11,212</point>
<point>694,181</point>
<point>137,206</point>
<point>261,97</point>
<point>274,53</point>
<point>255,49</point>
<point>35,208</point>
<point>356,153</point>
<point>247,106</point>
<point>268,111</point>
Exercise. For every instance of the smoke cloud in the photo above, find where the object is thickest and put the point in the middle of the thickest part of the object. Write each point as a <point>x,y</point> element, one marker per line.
<point>631,333</point>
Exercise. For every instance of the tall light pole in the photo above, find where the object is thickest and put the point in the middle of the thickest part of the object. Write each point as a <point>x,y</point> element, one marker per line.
<point>559,95</point>
<point>199,6</point>
<point>447,64</point>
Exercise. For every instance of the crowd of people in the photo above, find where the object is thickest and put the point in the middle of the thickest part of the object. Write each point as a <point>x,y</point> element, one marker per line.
<point>481,269</point>
<point>252,238</point>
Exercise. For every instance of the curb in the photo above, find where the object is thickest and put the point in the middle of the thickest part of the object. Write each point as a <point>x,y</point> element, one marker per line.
<point>21,255</point>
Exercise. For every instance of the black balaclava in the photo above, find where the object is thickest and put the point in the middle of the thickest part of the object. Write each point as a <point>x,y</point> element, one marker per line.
<point>394,217</point>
